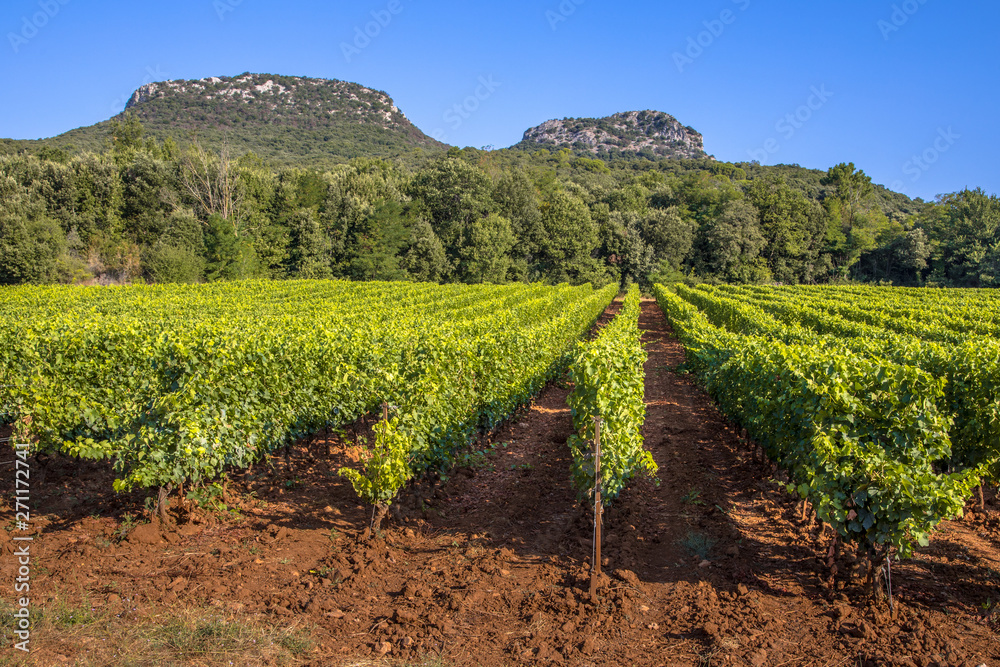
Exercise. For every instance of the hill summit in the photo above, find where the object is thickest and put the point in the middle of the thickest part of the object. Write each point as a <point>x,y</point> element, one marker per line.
<point>648,133</point>
<point>287,119</point>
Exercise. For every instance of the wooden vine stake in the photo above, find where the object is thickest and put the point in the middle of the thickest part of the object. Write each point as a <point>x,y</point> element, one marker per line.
<point>161,502</point>
<point>380,509</point>
<point>595,570</point>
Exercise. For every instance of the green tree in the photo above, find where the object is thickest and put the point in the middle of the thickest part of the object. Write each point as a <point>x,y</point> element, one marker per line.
<point>705,195</point>
<point>486,256</point>
<point>793,230</point>
<point>632,198</point>
<point>374,251</point>
<point>99,197</point>
<point>853,189</point>
<point>638,257</point>
<point>516,199</point>
<point>183,229</point>
<point>900,258</point>
<point>569,242</point>
<point>454,195</point>
<point>355,192</point>
<point>963,229</point>
<point>854,220</point>
<point>126,135</point>
<point>178,256</point>
<point>166,263</point>
<point>425,259</point>
<point>30,242</point>
<point>229,257</point>
<point>29,249</point>
<point>669,234</point>
<point>269,234</point>
<point>148,196</point>
<point>309,246</point>
<point>729,246</point>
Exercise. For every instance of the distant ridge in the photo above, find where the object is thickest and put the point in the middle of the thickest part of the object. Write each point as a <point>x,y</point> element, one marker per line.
<point>287,119</point>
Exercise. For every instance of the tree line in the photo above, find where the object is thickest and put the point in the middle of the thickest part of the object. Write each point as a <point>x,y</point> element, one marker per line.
<point>145,210</point>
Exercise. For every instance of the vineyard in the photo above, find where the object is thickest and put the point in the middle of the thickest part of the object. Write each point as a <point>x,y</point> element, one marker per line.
<point>883,405</point>
<point>178,384</point>
<point>849,427</point>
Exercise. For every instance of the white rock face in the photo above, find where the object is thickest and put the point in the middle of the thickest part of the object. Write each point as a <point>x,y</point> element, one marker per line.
<point>632,131</point>
<point>269,86</point>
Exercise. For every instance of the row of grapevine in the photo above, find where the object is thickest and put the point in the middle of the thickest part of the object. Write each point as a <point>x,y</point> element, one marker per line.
<point>943,299</point>
<point>861,436</point>
<point>874,312</point>
<point>970,368</point>
<point>609,382</point>
<point>177,383</point>
<point>969,316</point>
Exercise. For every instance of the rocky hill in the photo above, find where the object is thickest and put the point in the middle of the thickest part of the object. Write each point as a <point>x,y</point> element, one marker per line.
<point>647,133</point>
<point>286,119</point>
<point>307,122</point>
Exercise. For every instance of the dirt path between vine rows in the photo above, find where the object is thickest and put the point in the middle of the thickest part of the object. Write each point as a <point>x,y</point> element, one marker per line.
<point>711,566</point>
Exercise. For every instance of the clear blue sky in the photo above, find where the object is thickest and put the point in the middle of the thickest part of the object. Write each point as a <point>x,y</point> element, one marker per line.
<point>921,84</point>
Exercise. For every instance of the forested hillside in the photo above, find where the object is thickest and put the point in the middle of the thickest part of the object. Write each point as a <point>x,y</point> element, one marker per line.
<point>286,120</point>
<point>145,209</point>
